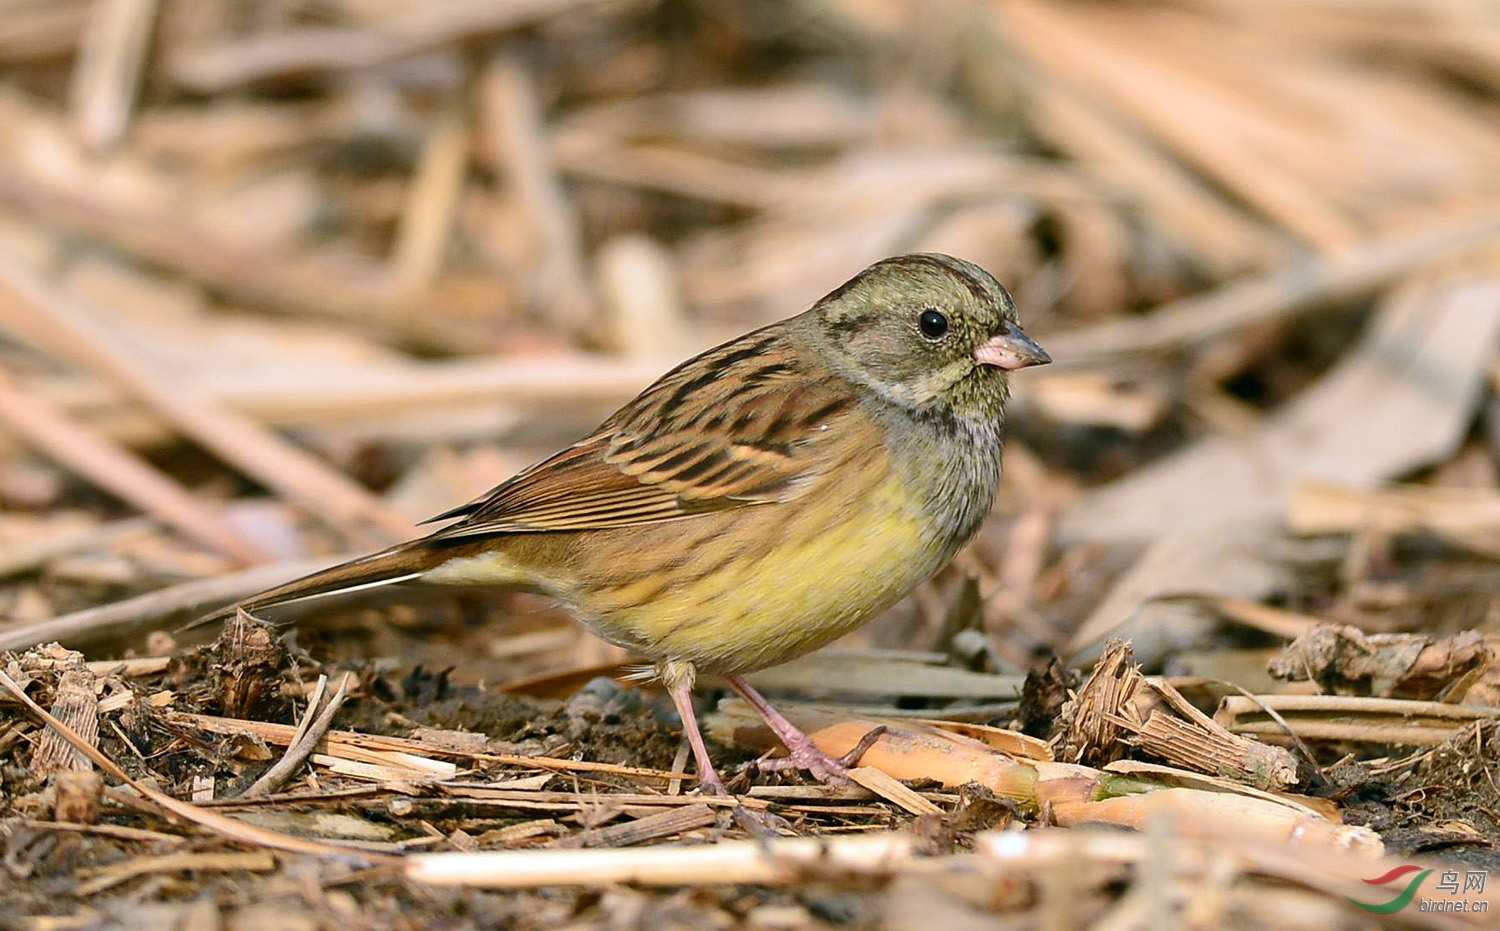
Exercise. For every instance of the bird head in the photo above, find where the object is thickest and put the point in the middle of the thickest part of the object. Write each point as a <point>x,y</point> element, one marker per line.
<point>926,330</point>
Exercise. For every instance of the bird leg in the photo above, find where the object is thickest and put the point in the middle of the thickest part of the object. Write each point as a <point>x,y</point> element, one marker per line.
<point>801,751</point>
<point>678,678</point>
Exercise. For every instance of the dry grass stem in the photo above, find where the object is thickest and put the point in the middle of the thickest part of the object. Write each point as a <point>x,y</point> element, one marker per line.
<point>1391,721</point>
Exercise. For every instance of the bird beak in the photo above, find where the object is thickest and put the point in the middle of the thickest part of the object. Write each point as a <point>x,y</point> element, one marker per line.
<point>1010,349</point>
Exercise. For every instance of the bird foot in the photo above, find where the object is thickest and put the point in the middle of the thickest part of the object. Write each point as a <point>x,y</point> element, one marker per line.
<point>822,767</point>
<point>818,764</point>
<point>709,783</point>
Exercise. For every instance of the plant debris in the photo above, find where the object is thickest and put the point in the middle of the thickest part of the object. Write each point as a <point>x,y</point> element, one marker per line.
<point>278,280</point>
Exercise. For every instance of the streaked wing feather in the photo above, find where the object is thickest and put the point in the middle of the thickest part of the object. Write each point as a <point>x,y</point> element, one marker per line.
<point>680,448</point>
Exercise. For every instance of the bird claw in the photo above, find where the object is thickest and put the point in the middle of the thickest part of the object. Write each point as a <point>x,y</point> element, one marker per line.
<point>821,766</point>
<point>805,755</point>
<point>817,764</point>
<point>709,783</point>
<point>850,759</point>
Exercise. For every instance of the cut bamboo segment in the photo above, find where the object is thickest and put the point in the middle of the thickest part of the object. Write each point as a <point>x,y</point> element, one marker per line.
<point>1390,721</point>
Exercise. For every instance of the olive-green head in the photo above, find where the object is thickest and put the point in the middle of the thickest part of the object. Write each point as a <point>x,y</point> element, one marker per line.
<point>925,329</point>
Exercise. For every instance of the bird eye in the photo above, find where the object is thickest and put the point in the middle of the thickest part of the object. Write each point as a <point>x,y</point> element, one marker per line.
<point>933,324</point>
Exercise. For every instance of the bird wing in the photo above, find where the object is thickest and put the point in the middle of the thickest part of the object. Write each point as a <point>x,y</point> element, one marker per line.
<point>737,426</point>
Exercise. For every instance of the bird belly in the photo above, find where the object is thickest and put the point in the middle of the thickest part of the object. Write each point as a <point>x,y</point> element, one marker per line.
<point>747,600</point>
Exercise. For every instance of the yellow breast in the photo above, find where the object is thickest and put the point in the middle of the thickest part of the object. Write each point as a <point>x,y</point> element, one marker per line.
<point>770,583</point>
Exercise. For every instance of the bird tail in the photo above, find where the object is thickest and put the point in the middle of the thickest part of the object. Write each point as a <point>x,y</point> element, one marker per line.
<point>401,563</point>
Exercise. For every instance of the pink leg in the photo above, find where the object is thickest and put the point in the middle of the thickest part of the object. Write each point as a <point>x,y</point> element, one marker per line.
<point>680,687</point>
<point>803,752</point>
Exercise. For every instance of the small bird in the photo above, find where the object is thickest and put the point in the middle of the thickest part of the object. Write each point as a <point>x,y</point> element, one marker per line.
<point>759,500</point>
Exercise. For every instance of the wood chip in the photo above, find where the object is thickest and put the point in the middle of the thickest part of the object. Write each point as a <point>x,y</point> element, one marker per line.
<point>77,707</point>
<point>891,790</point>
<point>651,827</point>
